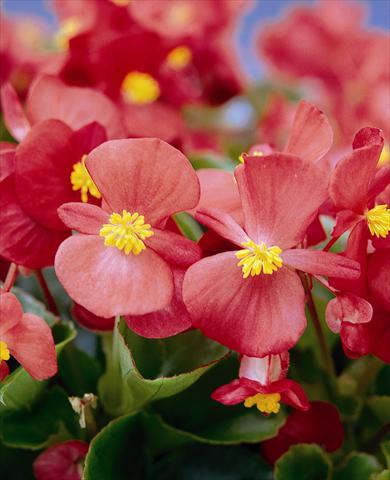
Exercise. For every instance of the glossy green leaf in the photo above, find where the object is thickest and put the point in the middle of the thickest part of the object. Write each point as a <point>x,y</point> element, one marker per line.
<point>51,418</point>
<point>211,160</point>
<point>385,446</point>
<point>303,462</point>
<point>195,414</point>
<point>16,464</point>
<point>20,390</point>
<point>188,226</point>
<point>357,466</point>
<point>141,370</point>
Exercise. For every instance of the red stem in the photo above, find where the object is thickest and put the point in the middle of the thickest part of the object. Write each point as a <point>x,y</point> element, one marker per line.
<point>46,292</point>
<point>11,277</point>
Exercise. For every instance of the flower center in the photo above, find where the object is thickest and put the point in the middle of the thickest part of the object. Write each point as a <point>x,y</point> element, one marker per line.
<point>378,219</point>
<point>81,180</point>
<point>126,232</point>
<point>4,352</point>
<point>179,57</point>
<point>256,259</point>
<point>140,88</point>
<point>265,403</point>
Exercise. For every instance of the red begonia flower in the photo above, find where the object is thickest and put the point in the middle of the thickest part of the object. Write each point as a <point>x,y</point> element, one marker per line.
<point>262,383</point>
<point>45,171</point>
<point>253,313</point>
<point>90,321</point>
<point>63,461</point>
<point>378,277</point>
<point>121,261</point>
<point>26,337</point>
<point>320,424</point>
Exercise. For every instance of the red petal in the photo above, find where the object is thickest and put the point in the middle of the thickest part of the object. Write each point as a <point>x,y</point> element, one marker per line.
<point>107,282</point>
<point>256,316</point>
<point>147,176</point>
<point>234,392</point>
<point>174,248</point>
<point>321,263</point>
<point>31,343</point>
<point>48,98</point>
<point>14,118</point>
<point>169,321</point>
<point>88,320</point>
<point>280,196</point>
<point>291,393</point>
<point>83,217</point>
<point>223,224</point>
<point>10,312</point>
<point>379,277</point>
<point>347,308</point>
<point>311,135</point>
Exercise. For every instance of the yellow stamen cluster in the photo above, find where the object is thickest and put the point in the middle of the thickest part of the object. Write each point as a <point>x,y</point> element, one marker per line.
<point>81,180</point>
<point>68,29</point>
<point>378,219</point>
<point>126,232</point>
<point>4,352</point>
<point>256,259</point>
<point>256,153</point>
<point>265,403</point>
<point>179,57</point>
<point>140,88</point>
<point>384,158</point>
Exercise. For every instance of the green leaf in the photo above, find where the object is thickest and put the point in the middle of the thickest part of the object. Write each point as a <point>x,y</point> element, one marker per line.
<point>357,466</point>
<point>119,451</point>
<point>303,462</point>
<point>383,475</point>
<point>197,462</point>
<point>20,390</point>
<point>78,371</point>
<point>52,417</point>
<point>195,414</point>
<point>385,446</point>
<point>141,370</point>
<point>211,160</point>
<point>188,226</point>
<point>31,305</point>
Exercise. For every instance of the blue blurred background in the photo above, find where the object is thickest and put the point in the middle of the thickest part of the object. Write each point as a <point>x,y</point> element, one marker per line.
<point>261,12</point>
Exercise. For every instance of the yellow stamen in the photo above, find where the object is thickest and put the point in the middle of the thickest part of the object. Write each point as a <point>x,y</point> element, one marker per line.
<point>81,180</point>
<point>126,232</point>
<point>179,57</point>
<point>121,3</point>
<point>378,219</point>
<point>256,153</point>
<point>258,259</point>
<point>4,352</point>
<point>68,29</point>
<point>265,403</point>
<point>140,88</point>
<point>384,158</point>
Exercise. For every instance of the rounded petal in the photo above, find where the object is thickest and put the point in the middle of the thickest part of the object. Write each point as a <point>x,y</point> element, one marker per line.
<point>10,312</point>
<point>173,248</point>
<point>48,97</point>
<point>321,263</point>
<point>14,117</point>
<point>145,175</point>
<point>291,393</point>
<point>61,461</point>
<point>31,342</point>
<point>280,196</point>
<point>169,321</point>
<point>311,135</point>
<point>355,338</point>
<point>347,308</point>
<point>265,370</point>
<point>107,282</point>
<point>88,320</point>
<point>223,224</point>
<point>83,217</point>
<point>23,240</point>
<point>255,316</point>
<point>43,164</point>
<point>235,392</point>
<point>379,277</point>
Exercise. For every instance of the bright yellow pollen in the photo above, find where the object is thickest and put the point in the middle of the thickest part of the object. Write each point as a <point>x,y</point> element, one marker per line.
<point>126,232</point>
<point>258,259</point>
<point>140,88</point>
<point>378,219</point>
<point>266,403</point>
<point>4,352</point>
<point>384,158</point>
<point>256,153</point>
<point>68,29</point>
<point>81,180</point>
<point>179,57</point>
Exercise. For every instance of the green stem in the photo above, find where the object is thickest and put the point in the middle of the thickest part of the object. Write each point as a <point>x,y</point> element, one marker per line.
<point>324,348</point>
<point>46,292</point>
